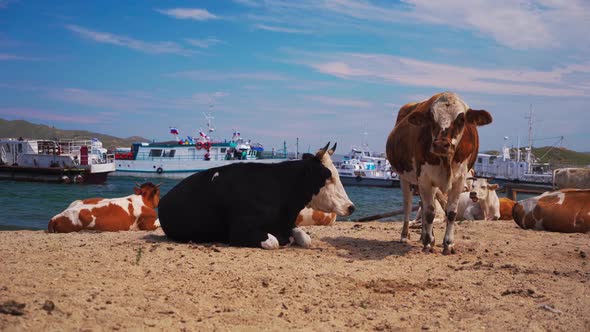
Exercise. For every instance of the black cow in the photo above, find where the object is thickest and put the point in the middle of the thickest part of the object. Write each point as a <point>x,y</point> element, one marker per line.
<point>253,204</point>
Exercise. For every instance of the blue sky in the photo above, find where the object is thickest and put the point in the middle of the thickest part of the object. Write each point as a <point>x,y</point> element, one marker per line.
<point>277,70</point>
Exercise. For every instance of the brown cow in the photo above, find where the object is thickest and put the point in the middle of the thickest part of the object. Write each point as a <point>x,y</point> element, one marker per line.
<point>433,145</point>
<point>573,178</point>
<point>506,206</point>
<point>311,217</point>
<point>132,212</point>
<point>566,210</point>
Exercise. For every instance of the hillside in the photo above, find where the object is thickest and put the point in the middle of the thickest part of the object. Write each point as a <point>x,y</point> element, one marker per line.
<point>556,156</point>
<point>25,129</point>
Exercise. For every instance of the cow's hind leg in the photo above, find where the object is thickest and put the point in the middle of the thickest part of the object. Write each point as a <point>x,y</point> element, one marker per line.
<point>407,194</point>
<point>244,234</point>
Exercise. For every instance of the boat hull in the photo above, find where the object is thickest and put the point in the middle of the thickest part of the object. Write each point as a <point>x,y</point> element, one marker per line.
<point>369,182</point>
<point>175,169</point>
<point>52,175</point>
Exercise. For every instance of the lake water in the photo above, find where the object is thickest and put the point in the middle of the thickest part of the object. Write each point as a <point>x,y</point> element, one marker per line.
<point>27,205</point>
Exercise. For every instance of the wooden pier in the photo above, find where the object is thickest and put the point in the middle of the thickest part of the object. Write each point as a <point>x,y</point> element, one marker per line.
<point>513,188</point>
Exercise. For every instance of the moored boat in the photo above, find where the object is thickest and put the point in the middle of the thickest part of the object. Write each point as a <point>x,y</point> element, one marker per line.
<point>363,167</point>
<point>62,161</point>
<point>180,158</point>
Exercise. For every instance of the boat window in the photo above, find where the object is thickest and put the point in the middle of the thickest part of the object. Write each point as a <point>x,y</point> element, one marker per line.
<point>222,150</point>
<point>479,160</point>
<point>155,152</point>
<point>8,148</point>
<point>492,158</point>
<point>171,153</point>
<point>20,148</point>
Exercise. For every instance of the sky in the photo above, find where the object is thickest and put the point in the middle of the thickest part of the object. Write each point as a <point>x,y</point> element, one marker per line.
<point>282,70</point>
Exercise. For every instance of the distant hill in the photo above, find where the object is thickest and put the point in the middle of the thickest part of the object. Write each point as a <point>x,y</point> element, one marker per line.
<point>557,157</point>
<point>25,129</point>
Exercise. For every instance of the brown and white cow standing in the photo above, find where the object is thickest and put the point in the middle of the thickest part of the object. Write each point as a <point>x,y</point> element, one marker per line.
<point>566,210</point>
<point>133,212</point>
<point>433,145</point>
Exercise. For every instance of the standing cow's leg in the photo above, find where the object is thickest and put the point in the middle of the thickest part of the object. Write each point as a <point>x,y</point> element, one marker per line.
<point>429,209</point>
<point>407,194</point>
<point>452,204</point>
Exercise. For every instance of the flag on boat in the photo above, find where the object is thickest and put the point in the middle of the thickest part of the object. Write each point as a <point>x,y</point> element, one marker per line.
<point>173,131</point>
<point>202,134</point>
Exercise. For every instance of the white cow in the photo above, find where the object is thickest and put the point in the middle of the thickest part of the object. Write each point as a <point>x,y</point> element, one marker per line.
<point>481,203</point>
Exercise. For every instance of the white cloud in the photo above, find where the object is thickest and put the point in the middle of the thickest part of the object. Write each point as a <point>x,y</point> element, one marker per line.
<point>165,47</point>
<point>203,75</point>
<point>8,57</point>
<point>335,101</point>
<point>196,14</point>
<point>557,82</point>
<point>279,29</point>
<point>203,43</point>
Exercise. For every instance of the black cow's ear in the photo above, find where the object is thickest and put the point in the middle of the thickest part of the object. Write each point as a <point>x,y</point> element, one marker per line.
<point>417,118</point>
<point>478,117</point>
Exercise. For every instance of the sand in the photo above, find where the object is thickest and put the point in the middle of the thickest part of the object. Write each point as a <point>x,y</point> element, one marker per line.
<point>355,277</point>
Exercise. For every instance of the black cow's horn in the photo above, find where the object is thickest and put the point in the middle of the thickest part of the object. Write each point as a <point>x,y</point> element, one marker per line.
<point>331,151</point>
<point>322,151</point>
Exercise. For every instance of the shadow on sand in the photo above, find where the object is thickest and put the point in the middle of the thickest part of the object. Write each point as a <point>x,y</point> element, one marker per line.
<point>364,249</point>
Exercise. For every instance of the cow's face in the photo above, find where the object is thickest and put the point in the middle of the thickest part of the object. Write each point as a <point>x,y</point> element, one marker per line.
<point>446,119</point>
<point>332,197</point>
<point>480,189</point>
<point>149,192</point>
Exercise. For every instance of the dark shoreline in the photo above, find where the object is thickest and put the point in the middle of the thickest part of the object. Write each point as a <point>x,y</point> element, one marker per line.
<point>18,228</point>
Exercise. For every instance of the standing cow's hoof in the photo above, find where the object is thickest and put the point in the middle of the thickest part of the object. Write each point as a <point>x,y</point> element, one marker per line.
<point>449,250</point>
<point>270,243</point>
<point>405,239</point>
<point>428,249</point>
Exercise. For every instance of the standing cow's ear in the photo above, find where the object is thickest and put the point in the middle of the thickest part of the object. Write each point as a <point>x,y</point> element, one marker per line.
<point>479,117</point>
<point>417,118</point>
<point>137,190</point>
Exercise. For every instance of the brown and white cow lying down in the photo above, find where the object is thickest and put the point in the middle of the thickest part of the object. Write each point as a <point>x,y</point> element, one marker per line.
<point>573,178</point>
<point>311,217</point>
<point>506,206</point>
<point>433,145</point>
<point>480,203</point>
<point>133,212</point>
<point>566,210</point>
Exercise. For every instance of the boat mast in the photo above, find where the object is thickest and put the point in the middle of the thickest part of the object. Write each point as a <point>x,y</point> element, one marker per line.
<point>530,147</point>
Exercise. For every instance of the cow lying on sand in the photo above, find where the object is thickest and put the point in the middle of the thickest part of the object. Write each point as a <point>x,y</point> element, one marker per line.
<point>433,145</point>
<point>573,178</point>
<point>253,204</point>
<point>311,217</point>
<point>506,206</point>
<point>480,203</point>
<point>133,212</point>
<point>566,210</point>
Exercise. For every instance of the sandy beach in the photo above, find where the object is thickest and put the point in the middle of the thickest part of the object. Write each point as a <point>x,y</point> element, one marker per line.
<point>355,277</point>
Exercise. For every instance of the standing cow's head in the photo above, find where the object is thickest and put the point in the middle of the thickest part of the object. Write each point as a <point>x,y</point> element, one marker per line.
<point>447,117</point>
<point>149,192</point>
<point>332,197</point>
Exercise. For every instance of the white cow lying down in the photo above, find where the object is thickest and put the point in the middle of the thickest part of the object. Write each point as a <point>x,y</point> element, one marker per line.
<point>481,203</point>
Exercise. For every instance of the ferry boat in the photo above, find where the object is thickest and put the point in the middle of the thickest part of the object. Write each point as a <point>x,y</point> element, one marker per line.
<point>180,158</point>
<point>63,161</point>
<point>506,168</point>
<point>363,167</point>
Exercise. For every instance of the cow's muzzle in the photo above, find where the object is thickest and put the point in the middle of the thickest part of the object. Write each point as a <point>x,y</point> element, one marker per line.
<point>441,147</point>
<point>473,196</point>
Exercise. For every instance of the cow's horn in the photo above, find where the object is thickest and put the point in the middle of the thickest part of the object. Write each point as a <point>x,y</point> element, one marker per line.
<point>331,151</point>
<point>138,184</point>
<point>322,151</point>
<point>158,185</point>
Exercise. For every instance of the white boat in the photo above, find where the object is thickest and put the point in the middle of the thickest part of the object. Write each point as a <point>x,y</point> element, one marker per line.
<point>509,167</point>
<point>64,161</point>
<point>362,167</point>
<point>180,158</point>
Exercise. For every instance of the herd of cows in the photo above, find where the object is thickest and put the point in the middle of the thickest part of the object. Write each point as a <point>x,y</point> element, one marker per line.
<point>432,146</point>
